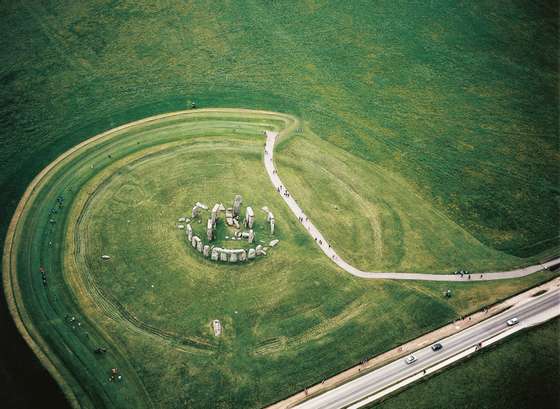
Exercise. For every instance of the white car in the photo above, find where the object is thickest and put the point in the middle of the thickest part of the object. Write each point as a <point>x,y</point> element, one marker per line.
<point>410,359</point>
<point>512,322</point>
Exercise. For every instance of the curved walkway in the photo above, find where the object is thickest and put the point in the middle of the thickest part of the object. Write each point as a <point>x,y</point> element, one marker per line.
<point>271,138</point>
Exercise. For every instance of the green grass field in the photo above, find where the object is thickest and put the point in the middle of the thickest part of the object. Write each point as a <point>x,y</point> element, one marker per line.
<point>430,143</point>
<point>291,315</point>
<point>526,366</point>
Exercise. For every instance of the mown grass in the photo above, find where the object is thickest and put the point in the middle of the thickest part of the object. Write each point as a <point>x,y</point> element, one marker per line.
<point>290,319</point>
<point>519,373</point>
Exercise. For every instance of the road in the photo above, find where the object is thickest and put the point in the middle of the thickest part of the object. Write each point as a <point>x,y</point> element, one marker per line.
<point>531,312</point>
<point>322,242</point>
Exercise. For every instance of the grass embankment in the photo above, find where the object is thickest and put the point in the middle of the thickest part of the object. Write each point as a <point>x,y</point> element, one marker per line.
<point>290,319</point>
<point>520,373</point>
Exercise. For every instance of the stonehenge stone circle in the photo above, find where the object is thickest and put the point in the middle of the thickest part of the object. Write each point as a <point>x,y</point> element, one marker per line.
<point>232,218</point>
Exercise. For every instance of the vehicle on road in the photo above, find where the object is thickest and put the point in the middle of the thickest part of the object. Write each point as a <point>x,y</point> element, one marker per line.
<point>512,321</point>
<point>437,347</point>
<point>410,359</point>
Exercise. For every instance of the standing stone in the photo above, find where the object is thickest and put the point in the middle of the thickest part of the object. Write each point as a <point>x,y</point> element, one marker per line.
<point>223,255</point>
<point>270,220</point>
<point>194,241</point>
<point>199,246</point>
<point>237,205</point>
<point>210,230</point>
<point>233,257</point>
<point>206,250</point>
<point>259,250</point>
<point>229,216</point>
<point>251,236</point>
<point>215,211</point>
<point>249,217</point>
<point>189,232</point>
<point>215,253</point>
<point>251,254</point>
<point>242,255</point>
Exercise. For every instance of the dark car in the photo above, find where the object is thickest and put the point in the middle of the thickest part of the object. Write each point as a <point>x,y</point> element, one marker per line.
<point>437,347</point>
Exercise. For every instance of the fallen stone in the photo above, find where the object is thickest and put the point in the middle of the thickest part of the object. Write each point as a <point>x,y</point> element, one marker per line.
<point>251,254</point>
<point>202,205</point>
<point>274,242</point>
<point>181,219</point>
<point>181,226</point>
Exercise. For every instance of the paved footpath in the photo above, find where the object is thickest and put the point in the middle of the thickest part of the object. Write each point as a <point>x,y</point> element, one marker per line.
<point>331,253</point>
